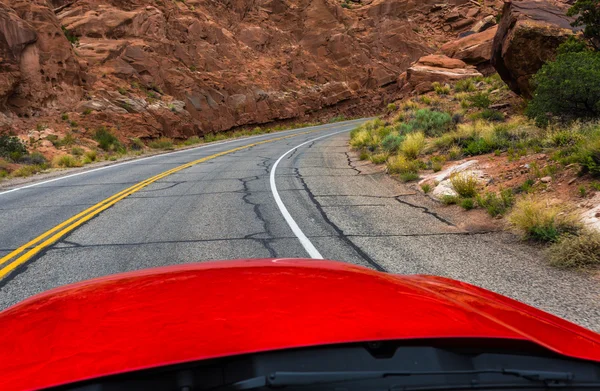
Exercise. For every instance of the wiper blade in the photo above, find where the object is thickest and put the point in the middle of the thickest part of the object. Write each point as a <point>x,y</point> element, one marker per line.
<point>285,379</point>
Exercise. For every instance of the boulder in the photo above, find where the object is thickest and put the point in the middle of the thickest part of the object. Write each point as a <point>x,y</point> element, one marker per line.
<point>484,24</point>
<point>528,35</point>
<point>435,68</point>
<point>473,49</point>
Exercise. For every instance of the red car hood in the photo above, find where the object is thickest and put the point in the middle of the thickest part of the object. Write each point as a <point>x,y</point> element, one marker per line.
<point>192,312</point>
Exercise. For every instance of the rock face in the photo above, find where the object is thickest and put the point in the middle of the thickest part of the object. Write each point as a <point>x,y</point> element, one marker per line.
<point>435,68</point>
<point>528,35</point>
<point>179,68</point>
<point>473,49</point>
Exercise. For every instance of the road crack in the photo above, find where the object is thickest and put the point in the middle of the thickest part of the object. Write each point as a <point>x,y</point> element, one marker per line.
<point>352,166</point>
<point>266,243</point>
<point>426,211</point>
<point>337,229</point>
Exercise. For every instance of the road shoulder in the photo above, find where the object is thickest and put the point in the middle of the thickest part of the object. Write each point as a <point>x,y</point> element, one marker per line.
<point>406,232</point>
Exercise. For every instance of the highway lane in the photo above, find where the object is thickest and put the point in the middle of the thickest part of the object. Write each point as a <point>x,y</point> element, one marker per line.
<point>225,208</point>
<point>219,209</point>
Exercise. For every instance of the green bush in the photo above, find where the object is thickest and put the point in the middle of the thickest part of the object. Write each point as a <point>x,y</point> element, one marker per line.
<point>491,115</point>
<point>494,204</point>
<point>465,184</point>
<point>379,158</point>
<point>107,141</point>
<point>12,147</point>
<point>480,100</point>
<point>567,88</point>
<point>588,156</point>
<point>464,85</point>
<point>588,15</point>
<point>433,123</point>
<point>72,38</point>
<point>467,203</point>
<point>537,220</point>
<point>413,145</point>
<point>161,143</point>
<point>580,250</point>
<point>66,161</point>
<point>391,142</point>
<point>408,176</point>
<point>137,144</point>
<point>399,164</point>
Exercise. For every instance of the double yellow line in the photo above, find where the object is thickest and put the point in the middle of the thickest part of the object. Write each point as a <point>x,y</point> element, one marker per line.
<point>33,247</point>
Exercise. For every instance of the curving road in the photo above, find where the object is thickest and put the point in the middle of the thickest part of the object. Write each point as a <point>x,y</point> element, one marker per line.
<point>298,193</point>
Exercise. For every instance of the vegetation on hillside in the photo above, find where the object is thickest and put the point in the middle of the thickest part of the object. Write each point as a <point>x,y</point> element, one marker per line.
<point>459,121</point>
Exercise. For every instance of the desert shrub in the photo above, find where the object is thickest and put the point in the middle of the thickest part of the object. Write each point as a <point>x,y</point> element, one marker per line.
<point>563,138</point>
<point>399,164</point>
<point>433,123</point>
<point>426,187</point>
<point>437,163</point>
<point>136,144</point>
<point>480,100</point>
<point>464,85</point>
<point>161,143</point>
<point>467,203</point>
<point>441,89</point>
<point>408,176</point>
<point>450,199</point>
<point>91,155</point>
<point>72,38</point>
<point>27,170</point>
<point>64,116</point>
<point>588,156</point>
<point>425,99</point>
<point>359,139</point>
<point>465,184</point>
<point>567,88</point>
<point>12,147</point>
<point>536,219</point>
<point>413,145</point>
<point>410,105</point>
<point>496,204</point>
<point>107,140</point>
<point>455,152</point>
<point>66,161</point>
<point>391,142</point>
<point>580,250</point>
<point>379,158</point>
<point>491,115</point>
<point>391,107</point>
<point>35,158</point>
<point>364,155</point>
<point>193,140</point>
<point>77,151</point>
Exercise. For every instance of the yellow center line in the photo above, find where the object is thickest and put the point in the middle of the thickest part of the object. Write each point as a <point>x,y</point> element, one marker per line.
<point>21,255</point>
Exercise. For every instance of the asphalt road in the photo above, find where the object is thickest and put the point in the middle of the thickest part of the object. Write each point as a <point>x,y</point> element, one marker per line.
<point>226,208</point>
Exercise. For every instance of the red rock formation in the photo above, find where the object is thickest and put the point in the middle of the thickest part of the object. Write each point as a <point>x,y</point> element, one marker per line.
<point>528,35</point>
<point>435,68</point>
<point>178,68</point>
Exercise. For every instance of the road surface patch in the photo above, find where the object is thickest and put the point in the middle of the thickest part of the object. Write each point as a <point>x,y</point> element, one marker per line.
<point>27,251</point>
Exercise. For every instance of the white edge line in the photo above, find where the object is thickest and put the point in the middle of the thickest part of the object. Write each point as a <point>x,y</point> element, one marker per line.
<point>165,154</point>
<point>306,243</point>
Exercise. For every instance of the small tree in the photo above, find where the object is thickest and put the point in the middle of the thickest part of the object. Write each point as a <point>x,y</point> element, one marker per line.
<point>588,15</point>
<point>567,88</point>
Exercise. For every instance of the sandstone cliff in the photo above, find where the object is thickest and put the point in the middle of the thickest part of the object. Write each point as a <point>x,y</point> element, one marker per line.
<point>183,67</point>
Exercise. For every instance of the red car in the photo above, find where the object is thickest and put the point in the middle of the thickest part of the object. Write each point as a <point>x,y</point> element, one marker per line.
<point>287,323</point>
